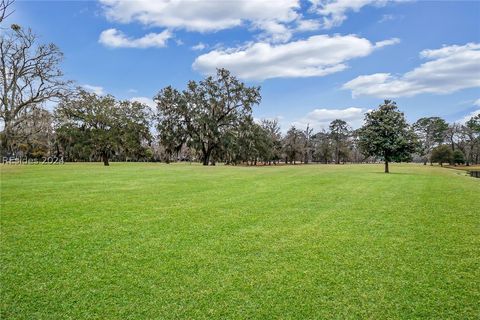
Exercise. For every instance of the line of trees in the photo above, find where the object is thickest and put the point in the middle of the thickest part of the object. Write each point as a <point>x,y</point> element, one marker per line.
<point>205,124</point>
<point>209,121</point>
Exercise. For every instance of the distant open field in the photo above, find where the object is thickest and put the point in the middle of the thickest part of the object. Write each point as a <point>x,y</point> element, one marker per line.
<point>139,241</point>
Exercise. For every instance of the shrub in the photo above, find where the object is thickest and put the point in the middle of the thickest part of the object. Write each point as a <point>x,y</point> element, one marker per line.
<point>458,157</point>
<point>442,154</point>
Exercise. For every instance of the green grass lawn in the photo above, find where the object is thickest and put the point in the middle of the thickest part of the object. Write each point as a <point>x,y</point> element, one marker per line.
<point>138,241</point>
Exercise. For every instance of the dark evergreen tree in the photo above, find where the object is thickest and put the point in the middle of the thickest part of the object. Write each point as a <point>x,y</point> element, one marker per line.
<point>387,135</point>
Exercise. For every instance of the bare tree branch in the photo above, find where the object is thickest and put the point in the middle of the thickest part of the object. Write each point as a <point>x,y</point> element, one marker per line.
<point>4,12</point>
<point>29,76</point>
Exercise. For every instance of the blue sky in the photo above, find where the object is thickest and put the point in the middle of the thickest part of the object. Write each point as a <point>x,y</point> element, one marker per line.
<point>315,60</point>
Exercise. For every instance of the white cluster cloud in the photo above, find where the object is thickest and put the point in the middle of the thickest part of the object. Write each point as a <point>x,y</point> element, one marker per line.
<point>320,118</point>
<point>95,89</point>
<point>450,69</point>
<point>477,102</point>
<point>199,15</point>
<point>206,16</point>
<point>316,56</point>
<point>277,20</point>
<point>116,39</point>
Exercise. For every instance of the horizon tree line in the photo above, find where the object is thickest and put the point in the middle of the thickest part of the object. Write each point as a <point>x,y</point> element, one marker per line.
<point>209,121</point>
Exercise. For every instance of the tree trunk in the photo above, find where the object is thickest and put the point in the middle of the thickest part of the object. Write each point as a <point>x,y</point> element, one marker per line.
<point>57,150</point>
<point>386,167</point>
<point>206,157</point>
<point>105,159</point>
<point>205,160</point>
<point>6,140</point>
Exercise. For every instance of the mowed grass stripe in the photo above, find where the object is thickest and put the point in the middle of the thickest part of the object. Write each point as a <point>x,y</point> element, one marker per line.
<point>185,241</point>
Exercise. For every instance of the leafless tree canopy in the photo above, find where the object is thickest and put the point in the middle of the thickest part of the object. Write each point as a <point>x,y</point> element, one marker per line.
<point>29,76</point>
<point>4,11</point>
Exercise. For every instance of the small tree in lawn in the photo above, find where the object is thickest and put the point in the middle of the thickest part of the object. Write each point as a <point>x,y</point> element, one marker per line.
<point>458,157</point>
<point>442,154</point>
<point>386,134</point>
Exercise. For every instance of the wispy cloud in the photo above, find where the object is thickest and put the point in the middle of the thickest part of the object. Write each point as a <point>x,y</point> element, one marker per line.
<point>334,13</point>
<point>116,39</point>
<point>199,46</point>
<point>386,18</point>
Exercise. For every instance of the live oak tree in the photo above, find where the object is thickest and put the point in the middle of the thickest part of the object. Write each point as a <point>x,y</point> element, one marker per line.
<point>247,142</point>
<point>171,127</point>
<point>29,76</point>
<point>274,140</point>
<point>386,134</point>
<point>135,137</point>
<point>322,146</point>
<point>204,113</point>
<point>339,132</point>
<point>102,124</point>
<point>431,132</point>
<point>34,136</point>
<point>293,144</point>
